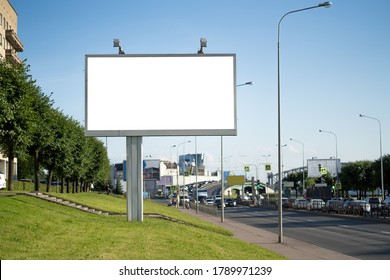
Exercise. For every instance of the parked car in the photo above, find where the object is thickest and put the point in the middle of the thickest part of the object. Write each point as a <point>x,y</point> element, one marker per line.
<point>360,207</point>
<point>289,203</point>
<point>347,207</point>
<point>386,203</point>
<point>2,181</point>
<point>230,202</point>
<point>284,199</point>
<point>315,204</point>
<point>300,203</point>
<point>332,205</point>
<point>375,203</point>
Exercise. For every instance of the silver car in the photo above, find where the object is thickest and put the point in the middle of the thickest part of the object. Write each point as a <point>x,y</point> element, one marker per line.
<point>315,204</point>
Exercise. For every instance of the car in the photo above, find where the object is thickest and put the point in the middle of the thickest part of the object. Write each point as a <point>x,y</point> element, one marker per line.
<point>230,202</point>
<point>360,207</point>
<point>209,201</point>
<point>386,203</point>
<point>2,181</point>
<point>347,207</point>
<point>289,203</point>
<point>375,203</point>
<point>218,203</point>
<point>315,204</point>
<point>300,203</point>
<point>332,205</point>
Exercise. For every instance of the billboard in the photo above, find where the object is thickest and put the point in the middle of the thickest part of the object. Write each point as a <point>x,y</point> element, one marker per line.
<point>318,167</point>
<point>160,95</point>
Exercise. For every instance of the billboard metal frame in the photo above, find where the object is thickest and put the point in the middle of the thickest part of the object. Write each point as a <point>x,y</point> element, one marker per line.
<point>221,120</point>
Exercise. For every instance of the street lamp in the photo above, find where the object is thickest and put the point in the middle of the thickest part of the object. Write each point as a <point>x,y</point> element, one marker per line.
<point>303,162</point>
<point>177,175</point>
<point>245,84</point>
<point>380,148</point>
<point>326,5</point>
<point>337,165</point>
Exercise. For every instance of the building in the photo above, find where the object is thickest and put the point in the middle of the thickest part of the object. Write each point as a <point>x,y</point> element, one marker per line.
<point>160,175</point>
<point>10,43</point>
<point>192,163</point>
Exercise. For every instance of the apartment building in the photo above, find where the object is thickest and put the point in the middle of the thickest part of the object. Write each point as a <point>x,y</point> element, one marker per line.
<point>10,43</point>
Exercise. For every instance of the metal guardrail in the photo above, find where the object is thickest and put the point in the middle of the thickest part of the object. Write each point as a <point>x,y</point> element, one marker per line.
<point>376,212</point>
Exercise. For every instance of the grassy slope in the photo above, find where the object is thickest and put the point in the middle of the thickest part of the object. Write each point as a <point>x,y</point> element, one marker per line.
<point>35,229</point>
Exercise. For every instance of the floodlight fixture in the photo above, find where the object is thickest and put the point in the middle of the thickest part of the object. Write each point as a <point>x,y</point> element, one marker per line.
<point>203,44</point>
<point>117,45</point>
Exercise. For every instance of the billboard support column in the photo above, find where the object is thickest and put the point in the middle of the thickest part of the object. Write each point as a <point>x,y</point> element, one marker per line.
<point>134,178</point>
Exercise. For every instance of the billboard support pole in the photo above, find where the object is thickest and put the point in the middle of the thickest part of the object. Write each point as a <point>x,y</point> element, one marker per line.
<point>134,178</point>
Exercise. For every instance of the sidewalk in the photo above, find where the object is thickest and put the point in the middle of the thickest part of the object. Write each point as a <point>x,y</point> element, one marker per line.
<point>291,249</point>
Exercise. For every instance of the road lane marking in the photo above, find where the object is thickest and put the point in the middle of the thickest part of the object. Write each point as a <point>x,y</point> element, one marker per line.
<point>385,232</point>
<point>344,226</point>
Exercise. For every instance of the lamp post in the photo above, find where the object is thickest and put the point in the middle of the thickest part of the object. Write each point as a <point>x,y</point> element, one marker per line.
<point>380,148</point>
<point>303,162</point>
<point>337,163</point>
<point>326,5</point>
<point>170,170</point>
<point>177,175</point>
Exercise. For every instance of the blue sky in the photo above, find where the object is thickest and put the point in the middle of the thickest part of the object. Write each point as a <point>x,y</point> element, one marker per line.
<point>335,65</point>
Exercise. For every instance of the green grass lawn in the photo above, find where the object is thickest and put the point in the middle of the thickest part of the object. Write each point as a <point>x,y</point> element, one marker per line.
<point>32,229</point>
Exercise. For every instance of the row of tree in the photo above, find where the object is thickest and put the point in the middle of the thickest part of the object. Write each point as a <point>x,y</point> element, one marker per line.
<point>35,132</point>
<point>360,176</point>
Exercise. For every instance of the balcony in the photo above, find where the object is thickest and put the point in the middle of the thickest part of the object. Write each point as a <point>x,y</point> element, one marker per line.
<point>13,39</point>
<point>11,56</point>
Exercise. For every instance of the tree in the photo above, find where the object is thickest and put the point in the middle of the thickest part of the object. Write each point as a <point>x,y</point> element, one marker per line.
<point>41,134</point>
<point>118,186</point>
<point>358,176</point>
<point>386,173</point>
<point>16,97</point>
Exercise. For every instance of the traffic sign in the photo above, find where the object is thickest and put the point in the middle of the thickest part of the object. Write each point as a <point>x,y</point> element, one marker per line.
<point>246,168</point>
<point>324,170</point>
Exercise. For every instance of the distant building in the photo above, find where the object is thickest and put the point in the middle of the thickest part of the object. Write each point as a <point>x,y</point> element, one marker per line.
<point>9,46</point>
<point>10,43</point>
<point>192,163</point>
<point>160,175</point>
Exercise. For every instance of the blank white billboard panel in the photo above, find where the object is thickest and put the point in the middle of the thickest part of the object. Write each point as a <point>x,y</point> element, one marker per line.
<point>160,95</point>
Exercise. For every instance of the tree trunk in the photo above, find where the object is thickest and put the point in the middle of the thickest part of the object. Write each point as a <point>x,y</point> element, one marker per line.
<point>49,174</point>
<point>67,186</point>
<point>10,179</point>
<point>36,171</point>
<point>62,184</point>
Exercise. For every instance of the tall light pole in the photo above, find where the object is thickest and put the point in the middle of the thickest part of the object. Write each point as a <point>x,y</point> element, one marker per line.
<point>222,173</point>
<point>177,175</point>
<point>170,170</point>
<point>337,165</point>
<point>380,148</point>
<point>303,162</point>
<point>280,231</point>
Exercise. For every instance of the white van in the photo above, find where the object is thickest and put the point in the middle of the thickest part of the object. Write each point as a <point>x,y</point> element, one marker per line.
<point>2,181</point>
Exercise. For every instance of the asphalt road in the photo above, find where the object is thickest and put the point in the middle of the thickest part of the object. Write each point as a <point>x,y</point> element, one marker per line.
<point>363,239</point>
